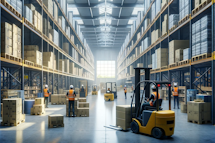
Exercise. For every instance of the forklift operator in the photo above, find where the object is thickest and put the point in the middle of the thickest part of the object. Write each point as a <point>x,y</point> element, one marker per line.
<point>150,101</point>
<point>94,89</point>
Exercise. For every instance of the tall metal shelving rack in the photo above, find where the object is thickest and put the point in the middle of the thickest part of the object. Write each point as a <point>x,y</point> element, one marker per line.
<point>17,74</point>
<point>183,74</point>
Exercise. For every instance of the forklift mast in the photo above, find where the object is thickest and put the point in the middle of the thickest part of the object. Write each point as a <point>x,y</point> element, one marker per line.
<point>137,86</point>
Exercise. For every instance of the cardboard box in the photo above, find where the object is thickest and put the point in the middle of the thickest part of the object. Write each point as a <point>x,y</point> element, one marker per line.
<point>82,100</point>
<point>124,124</point>
<point>39,101</point>
<point>83,112</point>
<point>56,120</point>
<point>83,104</point>
<point>38,109</point>
<point>183,107</point>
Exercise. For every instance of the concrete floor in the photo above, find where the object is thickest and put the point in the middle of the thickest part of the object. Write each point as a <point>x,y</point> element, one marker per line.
<point>91,129</point>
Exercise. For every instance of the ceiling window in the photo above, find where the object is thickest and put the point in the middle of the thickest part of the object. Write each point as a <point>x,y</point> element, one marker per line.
<point>105,69</point>
<point>104,9</point>
<point>136,10</point>
<point>130,22</point>
<point>80,21</point>
<point>74,10</point>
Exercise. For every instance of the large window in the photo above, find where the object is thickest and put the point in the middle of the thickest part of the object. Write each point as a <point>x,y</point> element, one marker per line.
<point>105,69</point>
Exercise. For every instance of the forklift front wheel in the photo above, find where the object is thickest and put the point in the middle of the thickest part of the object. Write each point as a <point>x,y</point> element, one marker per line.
<point>135,127</point>
<point>157,133</point>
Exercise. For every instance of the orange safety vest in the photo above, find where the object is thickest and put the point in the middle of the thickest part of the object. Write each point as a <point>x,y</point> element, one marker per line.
<point>71,95</point>
<point>125,90</point>
<point>155,94</point>
<point>45,91</point>
<point>175,91</point>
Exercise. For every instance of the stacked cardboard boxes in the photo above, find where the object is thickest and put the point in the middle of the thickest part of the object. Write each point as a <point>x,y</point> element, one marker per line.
<point>28,14</point>
<point>66,65</point>
<point>12,111</point>
<point>199,112</point>
<point>16,41</point>
<point>123,116</point>
<point>37,20</point>
<point>173,46</point>
<point>55,11</point>
<point>165,25</point>
<point>183,8</point>
<point>162,57</point>
<point>56,120</point>
<point>38,107</point>
<point>71,67</point>
<point>83,108</point>
<point>186,54</point>
<point>61,65</point>
<point>17,4</point>
<point>48,59</point>
<point>32,53</point>
<point>49,5</point>
<point>58,99</point>
<point>6,35</point>
<point>183,107</point>
<point>163,3</point>
<point>173,20</point>
<point>178,55</point>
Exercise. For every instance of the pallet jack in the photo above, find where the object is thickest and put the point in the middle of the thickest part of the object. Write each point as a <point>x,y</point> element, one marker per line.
<point>94,90</point>
<point>152,120</point>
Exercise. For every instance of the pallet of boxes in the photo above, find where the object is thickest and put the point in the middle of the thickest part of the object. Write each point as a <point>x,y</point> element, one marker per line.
<point>123,116</point>
<point>81,108</point>
<point>58,99</point>
<point>12,112</point>
<point>55,121</point>
<point>38,107</point>
<point>199,112</point>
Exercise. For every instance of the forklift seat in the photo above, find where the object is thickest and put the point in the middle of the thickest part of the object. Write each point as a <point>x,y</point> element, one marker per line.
<point>154,105</point>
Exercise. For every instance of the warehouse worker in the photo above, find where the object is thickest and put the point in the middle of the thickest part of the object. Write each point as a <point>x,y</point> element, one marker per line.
<point>125,91</point>
<point>152,99</point>
<point>94,89</point>
<point>175,94</point>
<point>46,94</point>
<point>71,97</point>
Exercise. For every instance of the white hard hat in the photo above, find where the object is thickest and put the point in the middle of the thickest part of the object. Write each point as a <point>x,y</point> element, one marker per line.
<point>82,85</point>
<point>175,84</point>
<point>125,85</point>
<point>46,86</point>
<point>71,86</point>
<point>153,87</point>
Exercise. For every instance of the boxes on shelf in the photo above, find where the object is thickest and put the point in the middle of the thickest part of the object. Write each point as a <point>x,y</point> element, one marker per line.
<point>58,99</point>
<point>204,98</point>
<point>165,25</point>
<point>162,57</point>
<point>61,65</point>
<point>66,65</point>
<point>6,38</point>
<point>140,65</point>
<point>49,5</point>
<point>173,46</point>
<point>38,107</point>
<point>186,54</point>
<point>183,107</point>
<point>55,11</point>
<point>173,20</point>
<point>48,59</point>
<point>28,14</point>
<point>178,55</point>
<point>32,53</point>
<point>56,120</point>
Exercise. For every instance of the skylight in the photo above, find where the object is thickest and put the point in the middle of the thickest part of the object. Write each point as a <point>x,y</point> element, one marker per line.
<point>105,9</point>
<point>102,21</point>
<point>136,10</point>
<point>130,22</point>
<point>80,21</point>
<point>74,10</point>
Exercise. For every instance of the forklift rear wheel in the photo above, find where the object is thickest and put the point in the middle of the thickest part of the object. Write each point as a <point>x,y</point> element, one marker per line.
<point>134,127</point>
<point>157,133</point>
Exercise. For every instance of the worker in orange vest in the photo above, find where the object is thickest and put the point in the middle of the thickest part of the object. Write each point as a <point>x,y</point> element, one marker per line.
<point>46,94</point>
<point>71,97</point>
<point>152,99</point>
<point>175,94</point>
<point>125,91</point>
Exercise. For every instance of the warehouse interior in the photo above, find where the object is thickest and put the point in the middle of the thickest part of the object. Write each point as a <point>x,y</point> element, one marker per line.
<point>107,71</point>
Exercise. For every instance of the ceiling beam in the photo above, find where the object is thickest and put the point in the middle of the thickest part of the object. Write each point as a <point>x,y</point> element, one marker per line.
<point>100,26</point>
<point>112,5</point>
<point>103,17</point>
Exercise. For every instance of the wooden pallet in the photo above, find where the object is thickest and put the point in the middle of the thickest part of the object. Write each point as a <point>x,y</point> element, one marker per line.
<point>58,103</point>
<point>56,126</point>
<point>199,122</point>
<point>173,65</point>
<point>29,23</point>
<point>183,19</point>
<point>164,67</point>
<point>184,62</point>
<point>83,115</point>
<point>38,66</point>
<point>201,57</point>
<point>11,8</point>
<point>201,6</point>
<point>29,63</point>
<point>164,35</point>
<point>171,29</point>
<point>41,113</point>
<point>10,57</point>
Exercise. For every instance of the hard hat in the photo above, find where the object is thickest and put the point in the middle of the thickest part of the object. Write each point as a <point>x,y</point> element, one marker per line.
<point>46,86</point>
<point>175,84</point>
<point>82,85</point>
<point>71,86</point>
<point>125,85</point>
<point>153,87</point>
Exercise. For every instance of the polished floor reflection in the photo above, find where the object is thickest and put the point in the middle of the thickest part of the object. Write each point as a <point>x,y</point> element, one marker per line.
<point>91,129</point>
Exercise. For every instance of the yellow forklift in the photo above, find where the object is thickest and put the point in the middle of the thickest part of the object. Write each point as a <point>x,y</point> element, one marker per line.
<point>111,92</point>
<point>94,90</point>
<point>151,120</point>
